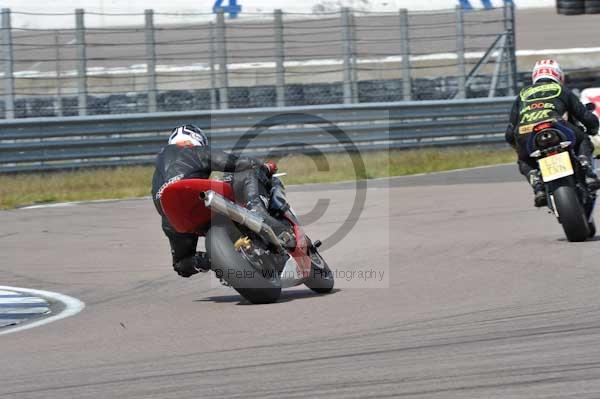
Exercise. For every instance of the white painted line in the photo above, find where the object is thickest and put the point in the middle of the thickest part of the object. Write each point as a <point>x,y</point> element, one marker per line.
<point>22,300</point>
<point>24,306</point>
<point>441,172</point>
<point>561,51</point>
<point>72,307</point>
<point>199,67</point>
<point>59,205</point>
<point>18,308</point>
<point>27,311</point>
<point>66,204</point>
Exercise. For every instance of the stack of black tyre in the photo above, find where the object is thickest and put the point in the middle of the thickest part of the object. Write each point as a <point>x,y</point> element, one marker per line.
<point>592,6</point>
<point>575,7</point>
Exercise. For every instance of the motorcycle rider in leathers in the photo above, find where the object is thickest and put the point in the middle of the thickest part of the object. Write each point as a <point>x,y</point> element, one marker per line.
<point>548,99</point>
<point>188,155</point>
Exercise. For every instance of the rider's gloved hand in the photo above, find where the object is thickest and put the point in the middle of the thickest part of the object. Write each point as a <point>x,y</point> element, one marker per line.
<point>270,167</point>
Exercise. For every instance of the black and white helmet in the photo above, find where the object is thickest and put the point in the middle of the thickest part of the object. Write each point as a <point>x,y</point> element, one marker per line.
<point>188,135</point>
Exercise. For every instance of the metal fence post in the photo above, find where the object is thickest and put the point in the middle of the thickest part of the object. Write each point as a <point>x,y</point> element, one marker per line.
<point>349,75</point>
<point>81,62</point>
<point>150,60</point>
<point>354,58</point>
<point>9,80</point>
<point>460,52</point>
<point>500,63</point>
<point>59,110</point>
<point>405,53</point>
<point>221,43</point>
<point>509,26</point>
<point>213,69</point>
<point>279,59</point>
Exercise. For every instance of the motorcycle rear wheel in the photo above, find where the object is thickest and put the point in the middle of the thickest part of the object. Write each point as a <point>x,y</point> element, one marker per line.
<point>571,214</point>
<point>256,286</point>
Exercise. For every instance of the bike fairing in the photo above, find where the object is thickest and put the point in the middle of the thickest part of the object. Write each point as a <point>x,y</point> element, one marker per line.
<point>566,132</point>
<point>170,181</point>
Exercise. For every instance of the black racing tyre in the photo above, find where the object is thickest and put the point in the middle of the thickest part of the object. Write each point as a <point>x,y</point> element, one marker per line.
<point>570,11</point>
<point>570,214</point>
<point>570,3</point>
<point>321,279</point>
<point>256,286</point>
<point>570,7</point>
<point>592,6</point>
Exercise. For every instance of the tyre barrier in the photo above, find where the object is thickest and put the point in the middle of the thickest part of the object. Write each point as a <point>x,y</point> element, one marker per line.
<point>570,7</point>
<point>592,6</point>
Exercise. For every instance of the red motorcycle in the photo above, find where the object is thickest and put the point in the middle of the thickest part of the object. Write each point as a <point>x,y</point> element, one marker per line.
<point>245,253</point>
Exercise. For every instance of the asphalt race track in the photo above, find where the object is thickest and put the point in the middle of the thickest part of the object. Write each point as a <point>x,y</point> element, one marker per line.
<point>485,300</point>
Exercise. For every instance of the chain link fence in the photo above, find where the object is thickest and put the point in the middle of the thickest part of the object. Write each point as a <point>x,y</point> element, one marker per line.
<point>281,59</point>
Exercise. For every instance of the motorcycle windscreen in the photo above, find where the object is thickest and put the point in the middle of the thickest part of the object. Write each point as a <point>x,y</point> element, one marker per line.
<point>183,207</point>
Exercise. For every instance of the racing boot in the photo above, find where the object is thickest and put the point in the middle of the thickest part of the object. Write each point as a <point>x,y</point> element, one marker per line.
<point>591,179</point>
<point>537,185</point>
<point>278,204</point>
<point>282,228</point>
<point>187,267</point>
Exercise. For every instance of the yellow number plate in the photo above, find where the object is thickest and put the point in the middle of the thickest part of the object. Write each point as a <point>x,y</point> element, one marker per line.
<point>556,166</point>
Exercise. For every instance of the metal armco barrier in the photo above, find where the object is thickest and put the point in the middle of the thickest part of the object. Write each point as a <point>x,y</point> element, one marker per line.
<point>45,144</point>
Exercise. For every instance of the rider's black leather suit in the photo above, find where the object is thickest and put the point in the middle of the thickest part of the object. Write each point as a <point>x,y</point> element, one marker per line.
<point>543,101</point>
<point>176,163</point>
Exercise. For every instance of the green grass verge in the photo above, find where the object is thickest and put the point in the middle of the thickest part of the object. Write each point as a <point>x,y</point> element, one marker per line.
<point>128,182</point>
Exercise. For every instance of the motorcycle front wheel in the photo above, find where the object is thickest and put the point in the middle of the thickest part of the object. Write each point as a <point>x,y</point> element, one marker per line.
<point>321,279</point>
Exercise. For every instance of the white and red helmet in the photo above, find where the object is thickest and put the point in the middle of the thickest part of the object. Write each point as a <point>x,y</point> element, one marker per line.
<point>547,69</point>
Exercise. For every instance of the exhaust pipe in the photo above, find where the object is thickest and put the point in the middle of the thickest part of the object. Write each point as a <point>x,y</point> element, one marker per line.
<point>238,214</point>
